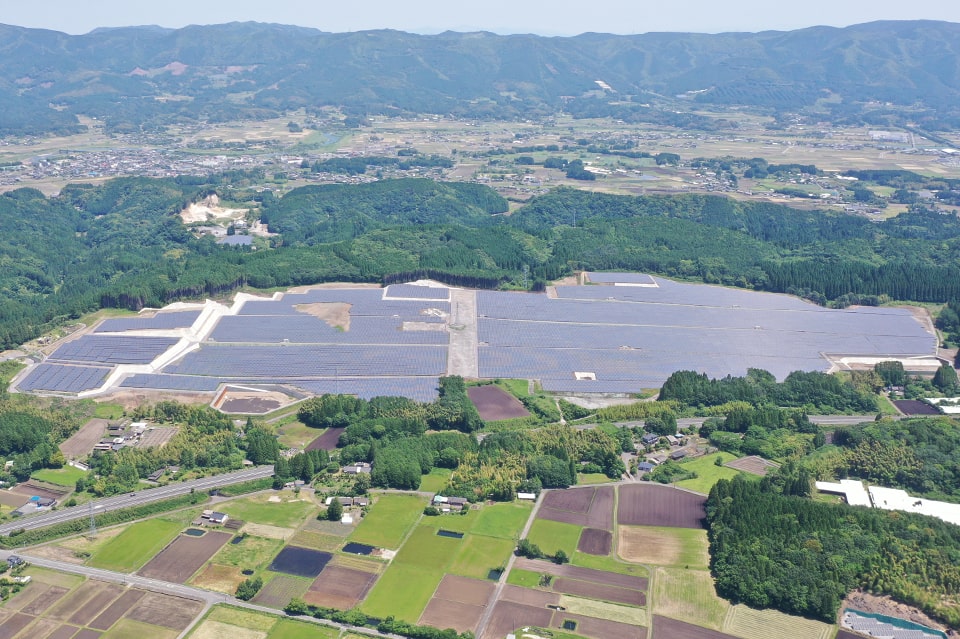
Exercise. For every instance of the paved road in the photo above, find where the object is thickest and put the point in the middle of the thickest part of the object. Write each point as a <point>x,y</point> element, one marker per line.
<point>135,499</point>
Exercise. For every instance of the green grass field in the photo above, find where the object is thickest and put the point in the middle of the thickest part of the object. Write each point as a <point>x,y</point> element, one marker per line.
<point>435,480</point>
<point>66,476</point>
<point>108,411</point>
<point>519,388</point>
<point>285,513</point>
<point>708,473</point>
<point>524,578</point>
<point>504,520</point>
<point>136,545</point>
<point>389,520</point>
<point>428,550</point>
<point>553,535</point>
<point>608,564</point>
<point>403,591</point>
<point>295,434</point>
<point>586,479</point>
<point>242,617</point>
<point>455,522</point>
<point>253,553</point>
<point>748,623</point>
<point>479,555</point>
<point>291,629</point>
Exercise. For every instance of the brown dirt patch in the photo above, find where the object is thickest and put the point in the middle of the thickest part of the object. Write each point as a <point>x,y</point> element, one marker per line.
<point>45,600</point>
<point>95,604</point>
<point>88,634</point>
<point>646,504</point>
<point>117,609</point>
<point>441,613</point>
<point>508,616</point>
<point>335,314</point>
<point>575,500</point>
<point>601,592</point>
<point>184,556</point>
<point>33,488</point>
<point>648,546</point>
<point>158,436</point>
<point>666,628</point>
<point>81,443</point>
<point>528,597</point>
<point>58,553</point>
<point>327,441</point>
<point>219,578</point>
<point>278,592</point>
<point>600,628</point>
<point>24,597</point>
<point>62,632</point>
<point>753,464</point>
<point>168,611</point>
<point>339,587</point>
<point>594,541</point>
<point>251,402</point>
<point>582,574</point>
<point>13,625</point>
<point>67,606</point>
<point>493,403</point>
<point>465,590</point>
<point>13,500</point>
<point>600,514</point>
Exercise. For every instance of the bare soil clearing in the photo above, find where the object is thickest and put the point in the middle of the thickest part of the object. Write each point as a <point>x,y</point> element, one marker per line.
<point>327,441</point>
<point>183,557</point>
<point>666,628</point>
<point>648,504</point>
<point>753,464</point>
<point>168,611</point>
<point>590,507</point>
<point>493,403</point>
<point>335,314</point>
<point>595,542</point>
<point>339,587</point>
<point>81,443</point>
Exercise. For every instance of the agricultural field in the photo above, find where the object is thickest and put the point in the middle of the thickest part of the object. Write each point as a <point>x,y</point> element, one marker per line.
<point>283,509</point>
<point>228,622</point>
<point>278,592</point>
<point>184,557</point>
<point>552,536</point>
<point>745,622</point>
<point>250,553</point>
<point>135,545</point>
<point>587,506</point>
<point>66,476</point>
<point>502,520</point>
<point>402,591</point>
<point>58,605</point>
<point>648,504</point>
<point>708,473</point>
<point>435,480</point>
<point>390,519</point>
<point>660,546</point>
<point>296,434</point>
<point>688,595</point>
<point>458,603</point>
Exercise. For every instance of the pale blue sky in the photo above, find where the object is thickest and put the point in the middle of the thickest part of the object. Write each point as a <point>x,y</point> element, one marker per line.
<point>546,17</point>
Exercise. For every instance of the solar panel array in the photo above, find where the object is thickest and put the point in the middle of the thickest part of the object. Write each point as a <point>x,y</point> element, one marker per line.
<point>110,349</point>
<point>411,291</point>
<point>171,382</point>
<point>64,378</point>
<point>306,329</point>
<point>620,278</point>
<point>878,628</point>
<point>161,321</point>
<point>421,389</point>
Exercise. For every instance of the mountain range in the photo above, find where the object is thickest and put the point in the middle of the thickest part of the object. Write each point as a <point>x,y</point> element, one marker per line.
<point>137,77</point>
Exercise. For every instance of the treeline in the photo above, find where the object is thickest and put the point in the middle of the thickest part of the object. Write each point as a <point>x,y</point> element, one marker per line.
<point>390,625</point>
<point>360,165</point>
<point>814,391</point>
<point>769,549</point>
<point>772,433</point>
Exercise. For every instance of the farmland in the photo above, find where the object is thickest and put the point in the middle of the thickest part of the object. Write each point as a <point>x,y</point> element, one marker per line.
<point>286,512</point>
<point>552,536</point>
<point>708,473</point>
<point>135,545</point>
<point>185,556</point>
<point>389,520</point>
<point>229,622</point>
<point>661,546</point>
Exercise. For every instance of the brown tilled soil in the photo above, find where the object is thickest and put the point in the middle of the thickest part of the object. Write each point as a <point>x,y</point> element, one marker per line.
<point>581,574</point>
<point>441,613</point>
<point>98,602</point>
<point>81,443</point>
<point>327,441</point>
<point>184,556</point>
<point>14,625</point>
<point>647,504</point>
<point>168,611</point>
<point>753,465</point>
<point>43,601</point>
<point>666,628</point>
<point>528,597</point>
<point>279,591</point>
<point>68,605</point>
<point>493,403</point>
<point>116,610</point>
<point>87,634</point>
<point>63,632</point>
<point>508,616</point>
<point>603,592</point>
<point>600,628</point>
<point>600,514</point>
<point>339,587</point>
<point>595,542</point>
<point>32,488</point>
<point>563,516</point>
<point>575,500</point>
<point>465,590</point>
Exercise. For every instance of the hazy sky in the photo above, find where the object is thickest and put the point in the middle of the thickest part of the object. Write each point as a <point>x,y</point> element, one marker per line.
<point>546,17</point>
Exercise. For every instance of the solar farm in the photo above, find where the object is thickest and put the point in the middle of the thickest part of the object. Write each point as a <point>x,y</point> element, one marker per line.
<point>619,333</point>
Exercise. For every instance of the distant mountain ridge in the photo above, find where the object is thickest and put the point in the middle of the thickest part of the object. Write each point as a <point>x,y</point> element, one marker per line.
<point>126,75</point>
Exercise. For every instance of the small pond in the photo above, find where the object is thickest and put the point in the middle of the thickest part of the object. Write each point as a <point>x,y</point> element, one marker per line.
<point>495,574</point>
<point>358,549</point>
<point>450,533</point>
<point>194,532</point>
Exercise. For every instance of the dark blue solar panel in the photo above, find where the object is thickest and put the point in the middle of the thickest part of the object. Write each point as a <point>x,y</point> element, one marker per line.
<point>626,278</point>
<point>171,382</point>
<point>421,389</point>
<point>168,320</point>
<point>418,292</point>
<point>108,349</point>
<point>64,378</point>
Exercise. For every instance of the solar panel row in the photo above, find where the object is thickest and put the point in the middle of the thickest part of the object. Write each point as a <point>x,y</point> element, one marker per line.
<point>64,378</point>
<point>417,292</point>
<point>109,349</point>
<point>303,329</point>
<point>167,320</point>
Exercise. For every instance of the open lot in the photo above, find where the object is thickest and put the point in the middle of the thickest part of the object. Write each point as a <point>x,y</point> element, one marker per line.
<point>666,628</point>
<point>185,556</point>
<point>223,579</point>
<point>339,587</point>
<point>664,546</point>
<point>288,512</point>
<point>493,403</point>
<point>591,507</point>
<point>753,464</point>
<point>648,504</point>
<point>504,520</point>
<point>390,518</point>
<point>81,443</point>
<point>458,603</point>
<point>251,552</point>
<point>135,545</point>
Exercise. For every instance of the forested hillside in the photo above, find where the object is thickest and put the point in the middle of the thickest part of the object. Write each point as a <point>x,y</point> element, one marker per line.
<point>122,244</point>
<point>248,70</point>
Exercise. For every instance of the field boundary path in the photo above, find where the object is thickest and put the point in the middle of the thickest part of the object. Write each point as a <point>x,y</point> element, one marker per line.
<point>462,356</point>
<point>138,498</point>
<point>498,591</point>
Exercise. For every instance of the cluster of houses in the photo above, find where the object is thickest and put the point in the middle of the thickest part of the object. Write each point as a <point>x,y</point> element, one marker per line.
<point>651,461</point>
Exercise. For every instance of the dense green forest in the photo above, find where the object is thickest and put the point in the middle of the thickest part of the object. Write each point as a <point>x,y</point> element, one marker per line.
<point>122,244</point>
<point>772,549</point>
